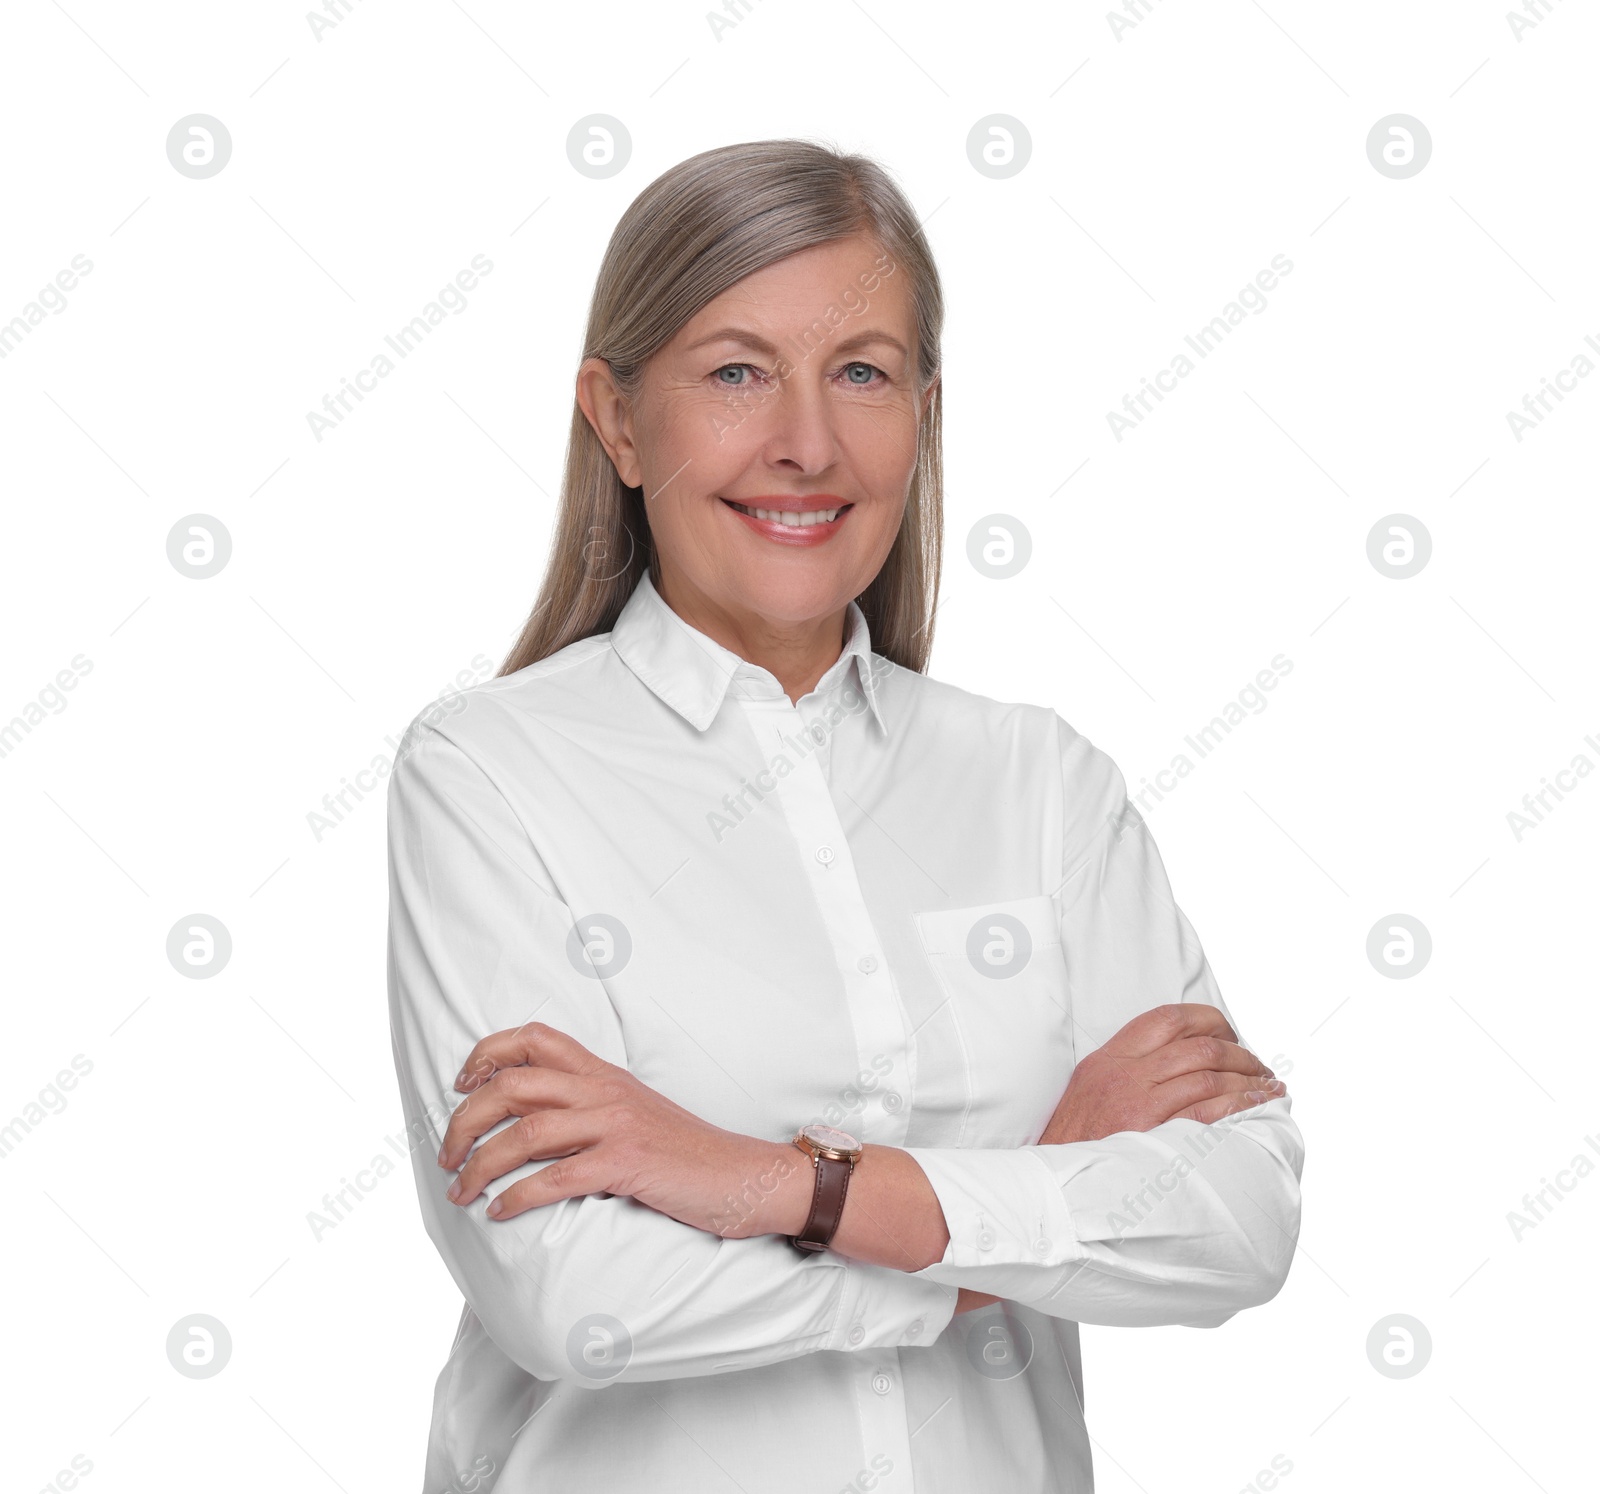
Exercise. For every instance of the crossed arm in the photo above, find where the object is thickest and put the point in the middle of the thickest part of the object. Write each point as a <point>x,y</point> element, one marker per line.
<point>619,1136</point>
<point>1100,1222</point>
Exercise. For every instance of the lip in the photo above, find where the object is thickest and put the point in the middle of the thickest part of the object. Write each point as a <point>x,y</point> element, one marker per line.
<point>782,534</point>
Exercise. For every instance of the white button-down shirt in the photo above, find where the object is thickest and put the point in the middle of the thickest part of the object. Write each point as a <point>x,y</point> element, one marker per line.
<point>894,907</point>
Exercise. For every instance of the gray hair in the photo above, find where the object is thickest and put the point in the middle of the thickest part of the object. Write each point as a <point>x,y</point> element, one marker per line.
<point>696,230</point>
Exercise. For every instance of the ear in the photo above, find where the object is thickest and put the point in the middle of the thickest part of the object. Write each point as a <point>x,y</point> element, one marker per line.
<point>611,417</point>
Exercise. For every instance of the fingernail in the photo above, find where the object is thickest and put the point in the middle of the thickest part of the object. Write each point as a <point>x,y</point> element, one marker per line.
<point>441,1156</point>
<point>1257,1096</point>
<point>495,1206</point>
<point>453,1192</point>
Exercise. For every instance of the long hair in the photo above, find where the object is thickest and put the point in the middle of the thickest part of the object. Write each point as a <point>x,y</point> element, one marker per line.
<point>696,230</point>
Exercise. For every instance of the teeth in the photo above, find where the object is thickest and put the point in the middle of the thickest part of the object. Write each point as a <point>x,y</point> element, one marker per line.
<point>793,520</point>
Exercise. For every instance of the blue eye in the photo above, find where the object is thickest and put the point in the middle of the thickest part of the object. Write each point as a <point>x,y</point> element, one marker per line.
<point>853,374</point>
<point>870,370</point>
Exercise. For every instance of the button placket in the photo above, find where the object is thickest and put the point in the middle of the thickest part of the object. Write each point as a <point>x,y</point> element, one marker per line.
<point>878,1020</point>
<point>885,1418</point>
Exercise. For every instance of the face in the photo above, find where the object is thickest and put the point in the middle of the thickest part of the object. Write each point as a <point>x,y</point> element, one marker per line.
<point>792,395</point>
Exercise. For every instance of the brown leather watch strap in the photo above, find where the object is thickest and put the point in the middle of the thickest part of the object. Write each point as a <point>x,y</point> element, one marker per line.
<point>827,1204</point>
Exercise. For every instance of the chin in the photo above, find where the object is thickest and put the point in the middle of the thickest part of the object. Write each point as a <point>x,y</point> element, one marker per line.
<point>794,593</point>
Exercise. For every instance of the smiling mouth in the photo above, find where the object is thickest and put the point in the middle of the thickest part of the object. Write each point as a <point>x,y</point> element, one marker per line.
<point>792,519</point>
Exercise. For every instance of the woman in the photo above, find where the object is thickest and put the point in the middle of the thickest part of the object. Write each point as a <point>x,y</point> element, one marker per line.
<point>831,1043</point>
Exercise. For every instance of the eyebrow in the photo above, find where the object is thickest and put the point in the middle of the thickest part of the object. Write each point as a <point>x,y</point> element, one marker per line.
<point>749,339</point>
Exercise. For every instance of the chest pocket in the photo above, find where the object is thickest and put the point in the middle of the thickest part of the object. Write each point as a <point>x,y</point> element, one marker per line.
<point>1002,972</point>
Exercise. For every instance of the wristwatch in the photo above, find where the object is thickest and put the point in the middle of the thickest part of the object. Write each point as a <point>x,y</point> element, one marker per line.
<point>834,1155</point>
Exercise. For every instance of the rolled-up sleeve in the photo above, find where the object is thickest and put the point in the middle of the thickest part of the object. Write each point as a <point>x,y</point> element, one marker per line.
<point>1182,1224</point>
<point>477,943</point>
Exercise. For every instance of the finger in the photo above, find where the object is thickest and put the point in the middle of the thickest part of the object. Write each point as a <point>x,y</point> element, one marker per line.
<point>532,1043</point>
<point>1208,1111</point>
<point>530,1138</point>
<point>1167,1024</point>
<point>567,1177</point>
<point>1177,1096</point>
<point>1187,1055</point>
<point>511,1092</point>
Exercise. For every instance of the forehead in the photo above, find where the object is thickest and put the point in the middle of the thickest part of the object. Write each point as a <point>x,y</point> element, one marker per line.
<point>856,276</point>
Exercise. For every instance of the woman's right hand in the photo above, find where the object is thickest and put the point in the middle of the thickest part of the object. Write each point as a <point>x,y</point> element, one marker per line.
<point>1173,1061</point>
<point>1180,1060</point>
<point>1177,1060</point>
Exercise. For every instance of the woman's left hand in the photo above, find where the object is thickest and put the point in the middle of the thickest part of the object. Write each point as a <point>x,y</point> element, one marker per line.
<point>611,1133</point>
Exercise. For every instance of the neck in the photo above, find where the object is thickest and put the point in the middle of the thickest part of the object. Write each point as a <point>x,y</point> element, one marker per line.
<point>797,653</point>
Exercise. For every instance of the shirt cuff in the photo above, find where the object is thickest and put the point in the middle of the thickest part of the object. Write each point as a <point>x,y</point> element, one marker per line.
<point>1003,1207</point>
<point>887,1309</point>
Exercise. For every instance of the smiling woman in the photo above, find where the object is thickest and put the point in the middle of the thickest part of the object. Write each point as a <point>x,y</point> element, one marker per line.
<point>816,1139</point>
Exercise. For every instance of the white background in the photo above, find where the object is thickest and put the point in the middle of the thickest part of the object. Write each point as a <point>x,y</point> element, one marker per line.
<point>370,568</point>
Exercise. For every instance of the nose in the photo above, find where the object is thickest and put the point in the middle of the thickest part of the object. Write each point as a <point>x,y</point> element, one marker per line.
<point>800,432</point>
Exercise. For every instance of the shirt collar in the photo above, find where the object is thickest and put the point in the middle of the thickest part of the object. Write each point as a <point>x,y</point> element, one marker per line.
<point>694,674</point>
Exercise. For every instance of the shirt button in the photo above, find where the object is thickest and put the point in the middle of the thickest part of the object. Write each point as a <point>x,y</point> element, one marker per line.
<point>825,855</point>
<point>857,1334</point>
<point>892,1100</point>
<point>867,964</point>
<point>1041,1246</point>
<point>882,1383</point>
<point>985,1240</point>
<point>915,1329</point>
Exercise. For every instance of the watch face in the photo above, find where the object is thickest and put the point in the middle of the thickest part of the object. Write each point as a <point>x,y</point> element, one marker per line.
<point>831,1138</point>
